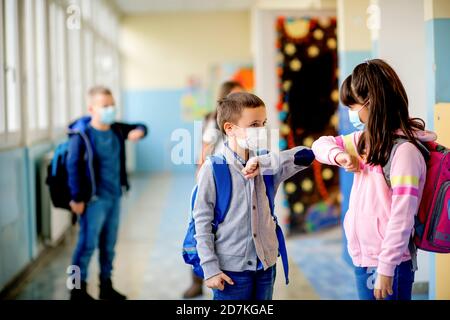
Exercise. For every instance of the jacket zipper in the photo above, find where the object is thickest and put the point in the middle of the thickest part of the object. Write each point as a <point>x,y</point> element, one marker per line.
<point>356,235</point>
<point>90,162</point>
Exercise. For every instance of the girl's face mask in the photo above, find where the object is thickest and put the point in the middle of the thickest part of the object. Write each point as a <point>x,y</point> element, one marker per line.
<point>354,118</point>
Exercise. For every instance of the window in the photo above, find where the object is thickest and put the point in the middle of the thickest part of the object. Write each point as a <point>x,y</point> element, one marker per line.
<point>89,68</point>
<point>42,56</point>
<point>29,65</point>
<point>83,53</point>
<point>75,62</point>
<point>75,74</point>
<point>58,62</point>
<point>11,110</point>
<point>2,81</point>
<point>35,67</point>
<point>58,66</point>
<point>86,11</point>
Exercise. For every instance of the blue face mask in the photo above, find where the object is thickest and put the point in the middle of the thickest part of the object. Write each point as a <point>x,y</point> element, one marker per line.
<point>108,115</point>
<point>353,116</point>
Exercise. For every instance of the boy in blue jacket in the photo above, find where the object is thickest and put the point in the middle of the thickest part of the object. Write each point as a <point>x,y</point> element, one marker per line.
<point>97,177</point>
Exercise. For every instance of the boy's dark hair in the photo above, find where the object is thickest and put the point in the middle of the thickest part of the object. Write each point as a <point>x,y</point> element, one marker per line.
<point>376,83</point>
<point>99,90</point>
<point>229,109</point>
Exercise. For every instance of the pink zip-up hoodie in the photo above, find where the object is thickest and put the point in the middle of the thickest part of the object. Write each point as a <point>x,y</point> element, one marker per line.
<point>379,220</point>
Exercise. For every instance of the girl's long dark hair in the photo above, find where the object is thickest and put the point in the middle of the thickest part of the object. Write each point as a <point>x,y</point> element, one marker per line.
<point>376,83</point>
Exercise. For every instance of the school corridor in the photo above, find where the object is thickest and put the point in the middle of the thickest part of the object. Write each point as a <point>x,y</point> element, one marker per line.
<point>162,66</point>
<point>149,264</point>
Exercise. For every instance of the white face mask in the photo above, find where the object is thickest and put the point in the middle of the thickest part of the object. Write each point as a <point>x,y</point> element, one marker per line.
<point>256,139</point>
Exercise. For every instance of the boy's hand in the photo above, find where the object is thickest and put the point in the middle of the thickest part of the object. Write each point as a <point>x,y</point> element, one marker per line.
<point>348,162</point>
<point>136,134</point>
<point>77,207</point>
<point>251,169</point>
<point>383,287</point>
<point>218,281</point>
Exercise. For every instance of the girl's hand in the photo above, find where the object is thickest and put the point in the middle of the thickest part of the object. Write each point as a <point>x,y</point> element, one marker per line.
<point>383,287</point>
<point>348,162</point>
<point>251,169</point>
<point>218,281</point>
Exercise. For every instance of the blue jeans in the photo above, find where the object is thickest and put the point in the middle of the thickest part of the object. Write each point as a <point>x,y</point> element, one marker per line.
<point>248,285</point>
<point>99,226</point>
<point>402,285</point>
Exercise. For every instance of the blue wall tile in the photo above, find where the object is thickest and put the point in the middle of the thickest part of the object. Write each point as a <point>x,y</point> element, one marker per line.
<point>161,111</point>
<point>347,62</point>
<point>14,219</point>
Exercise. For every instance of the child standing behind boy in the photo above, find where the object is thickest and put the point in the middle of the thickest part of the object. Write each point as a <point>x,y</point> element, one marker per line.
<point>239,259</point>
<point>97,175</point>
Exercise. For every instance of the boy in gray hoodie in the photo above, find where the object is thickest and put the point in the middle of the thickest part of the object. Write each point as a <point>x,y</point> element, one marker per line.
<point>239,259</point>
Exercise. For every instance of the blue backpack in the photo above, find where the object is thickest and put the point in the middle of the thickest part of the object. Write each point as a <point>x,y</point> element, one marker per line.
<point>57,177</point>
<point>221,173</point>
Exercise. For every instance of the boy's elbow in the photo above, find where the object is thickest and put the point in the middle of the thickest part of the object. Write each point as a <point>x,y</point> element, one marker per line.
<point>143,127</point>
<point>304,157</point>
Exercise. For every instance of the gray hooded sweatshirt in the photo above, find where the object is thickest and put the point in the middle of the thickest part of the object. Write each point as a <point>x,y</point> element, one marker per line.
<point>248,231</point>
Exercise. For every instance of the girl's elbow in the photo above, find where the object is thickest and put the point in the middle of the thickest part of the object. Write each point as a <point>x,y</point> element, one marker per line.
<point>316,145</point>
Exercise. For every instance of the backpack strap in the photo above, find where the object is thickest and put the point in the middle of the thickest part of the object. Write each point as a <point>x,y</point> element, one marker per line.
<point>397,143</point>
<point>60,152</point>
<point>270,192</point>
<point>221,173</point>
<point>387,168</point>
<point>193,197</point>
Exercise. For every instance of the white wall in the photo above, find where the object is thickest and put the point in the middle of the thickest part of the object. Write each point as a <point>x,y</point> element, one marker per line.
<point>163,50</point>
<point>401,43</point>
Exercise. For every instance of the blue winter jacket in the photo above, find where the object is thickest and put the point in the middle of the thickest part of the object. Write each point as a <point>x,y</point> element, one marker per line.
<point>82,165</point>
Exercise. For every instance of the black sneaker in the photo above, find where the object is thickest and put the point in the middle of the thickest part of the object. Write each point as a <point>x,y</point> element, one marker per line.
<point>107,292</point>
<point>80,294</point>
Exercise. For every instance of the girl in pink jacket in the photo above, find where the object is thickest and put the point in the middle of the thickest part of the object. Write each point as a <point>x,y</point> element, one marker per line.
<point>380,219</point>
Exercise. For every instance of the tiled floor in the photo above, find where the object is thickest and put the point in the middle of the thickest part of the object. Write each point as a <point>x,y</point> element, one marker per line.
<point>319,258</point>
<point>149,265</point>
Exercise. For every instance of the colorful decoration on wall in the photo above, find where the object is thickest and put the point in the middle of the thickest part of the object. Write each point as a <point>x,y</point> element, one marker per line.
<point>200,96</point>
<point>307,108</point>
<point>195,101</point>
<point>245,77</point>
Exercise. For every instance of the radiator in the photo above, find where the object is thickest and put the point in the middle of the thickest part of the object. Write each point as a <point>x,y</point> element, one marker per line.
<point>54,221</point>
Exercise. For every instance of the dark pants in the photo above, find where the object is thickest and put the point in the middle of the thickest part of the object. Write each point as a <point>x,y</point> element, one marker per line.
<point>99,226</point>
<point>248,285</point>
<point>402,285</point>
